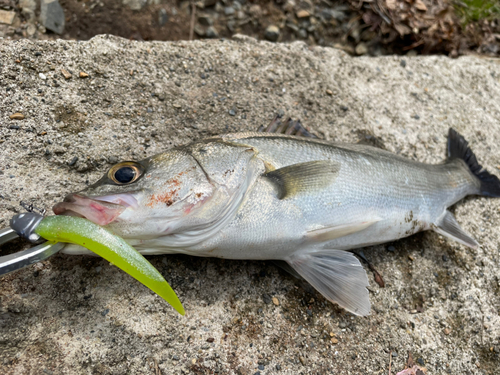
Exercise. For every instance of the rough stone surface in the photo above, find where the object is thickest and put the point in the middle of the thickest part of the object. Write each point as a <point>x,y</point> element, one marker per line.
<point>52,16</point>
<point>75,314</point>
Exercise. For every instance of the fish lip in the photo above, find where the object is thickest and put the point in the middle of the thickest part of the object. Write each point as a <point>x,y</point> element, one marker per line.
<point>95,209</point>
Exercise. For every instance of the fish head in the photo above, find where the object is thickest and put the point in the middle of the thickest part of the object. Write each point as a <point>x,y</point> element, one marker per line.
<point>144,199</point>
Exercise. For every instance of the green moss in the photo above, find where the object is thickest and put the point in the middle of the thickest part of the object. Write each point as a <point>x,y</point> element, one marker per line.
<point>476,10</point>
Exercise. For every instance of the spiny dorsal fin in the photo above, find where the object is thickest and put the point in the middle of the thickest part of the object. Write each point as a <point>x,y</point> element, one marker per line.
<point>337,275</point>
<point>447,226</point>
<point>289,127</point>
<point>308,176</point>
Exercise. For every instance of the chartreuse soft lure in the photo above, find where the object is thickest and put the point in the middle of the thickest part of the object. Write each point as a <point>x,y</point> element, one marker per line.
<point>114,249</point>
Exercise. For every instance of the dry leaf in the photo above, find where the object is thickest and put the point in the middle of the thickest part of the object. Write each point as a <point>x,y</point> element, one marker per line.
<point>419,4</point>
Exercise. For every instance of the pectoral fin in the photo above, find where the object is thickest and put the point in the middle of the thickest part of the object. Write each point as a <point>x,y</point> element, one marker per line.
<point>447,226</point>
<point>333,232</point>
<point>303,177</point>
<point>337,275</point>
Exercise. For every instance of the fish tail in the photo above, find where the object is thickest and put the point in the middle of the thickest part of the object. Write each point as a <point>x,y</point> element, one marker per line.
<point>458,148</point>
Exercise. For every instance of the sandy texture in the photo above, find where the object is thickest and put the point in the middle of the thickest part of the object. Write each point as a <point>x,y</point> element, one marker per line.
<point>80,315</point>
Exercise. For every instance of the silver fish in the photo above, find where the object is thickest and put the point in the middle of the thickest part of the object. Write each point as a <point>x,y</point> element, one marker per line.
<point>281,197</point>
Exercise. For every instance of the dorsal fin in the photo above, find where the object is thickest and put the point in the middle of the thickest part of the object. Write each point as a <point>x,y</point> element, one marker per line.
<point>288,127</point>
<point>308,176</point>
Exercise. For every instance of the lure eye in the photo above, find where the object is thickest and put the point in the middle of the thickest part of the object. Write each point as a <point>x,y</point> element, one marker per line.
<point>125,173</point>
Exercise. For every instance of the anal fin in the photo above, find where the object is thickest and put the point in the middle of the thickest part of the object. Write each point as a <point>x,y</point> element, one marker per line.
<point>337,275</point>
<point>447,226</point>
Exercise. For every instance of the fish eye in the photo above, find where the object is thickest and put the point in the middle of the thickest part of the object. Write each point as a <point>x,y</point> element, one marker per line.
<point>125,173</point>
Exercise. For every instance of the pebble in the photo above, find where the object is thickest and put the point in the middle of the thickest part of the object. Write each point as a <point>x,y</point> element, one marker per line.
<point>105,312</point>
<point>329,92</point>
<point>66,74</point>
<point>276,301</point>
<point>303,14</point>
<point>175,358</point>
<point>278,367</point>
<point>205,20</point>
<point>391,249</point>
<point>83,75</point>
<point>261,367</point>
<point>334,341</point>
<point>229,11</point>
<point>232,112</point>
<point>302,360</point>
<point>361,49</point>
<point>266,298</point>
<point>162,17</point>
<point>73,161</point>
<point>272,33</point>
<point>17,116</point>
<point>211,32</point>
<point>42,76</point>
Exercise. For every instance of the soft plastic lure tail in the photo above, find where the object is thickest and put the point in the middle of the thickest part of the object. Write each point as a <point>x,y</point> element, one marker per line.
<point>114,249</point>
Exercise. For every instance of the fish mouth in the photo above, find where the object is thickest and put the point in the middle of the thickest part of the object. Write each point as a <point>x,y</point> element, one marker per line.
<point>100,210</point>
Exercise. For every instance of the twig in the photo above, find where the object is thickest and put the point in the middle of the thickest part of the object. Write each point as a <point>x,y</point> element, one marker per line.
<point>390,361</point>
<point>193,17</point>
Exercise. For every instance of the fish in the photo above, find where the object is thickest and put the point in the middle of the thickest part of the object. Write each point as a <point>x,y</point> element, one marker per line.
<point>278,196</point>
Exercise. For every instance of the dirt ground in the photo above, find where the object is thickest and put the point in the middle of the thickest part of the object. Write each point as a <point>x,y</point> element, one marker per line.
<point>357,26</point>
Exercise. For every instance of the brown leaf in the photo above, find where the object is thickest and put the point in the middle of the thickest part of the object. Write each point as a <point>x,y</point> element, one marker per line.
<point>391,4</point>
<point>419,4</point>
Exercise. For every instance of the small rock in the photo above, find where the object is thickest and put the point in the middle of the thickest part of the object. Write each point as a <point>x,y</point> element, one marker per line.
<point>228,11</point>
<point>73,161</point>
<point>134,4</point>
<point>447,331</point>
<point>162,17</point>
<point>211,32</point>
<point>334,341</point>
<point>361,49</point>
<point>391,249</point>
<point>105,312</point>
<point>17,116</point>
<point>83,75</point>
<point>210,339</point>
<point>27,4</point>
<point>232,112</point>
<point>302,360</point>
<point>402,63</point>
<point>66,74</point>
<point>7,17</point>
<point>255,10</point>
<point>52,16</point>
<point>266,298</point>
<point>272,33</point>
<point>198,30</point>
<point>278,367</point>
<point>329,92</point>
<point>205,20</point>
<point>31,30</point>
<point>303,14</point>
<point>276,301</point>
<point>42,76</point>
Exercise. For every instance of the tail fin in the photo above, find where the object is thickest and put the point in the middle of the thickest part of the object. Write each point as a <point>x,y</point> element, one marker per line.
<point>458,148</point>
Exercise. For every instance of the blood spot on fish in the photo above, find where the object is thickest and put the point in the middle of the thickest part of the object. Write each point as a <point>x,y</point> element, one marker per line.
<point>168,197</point>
